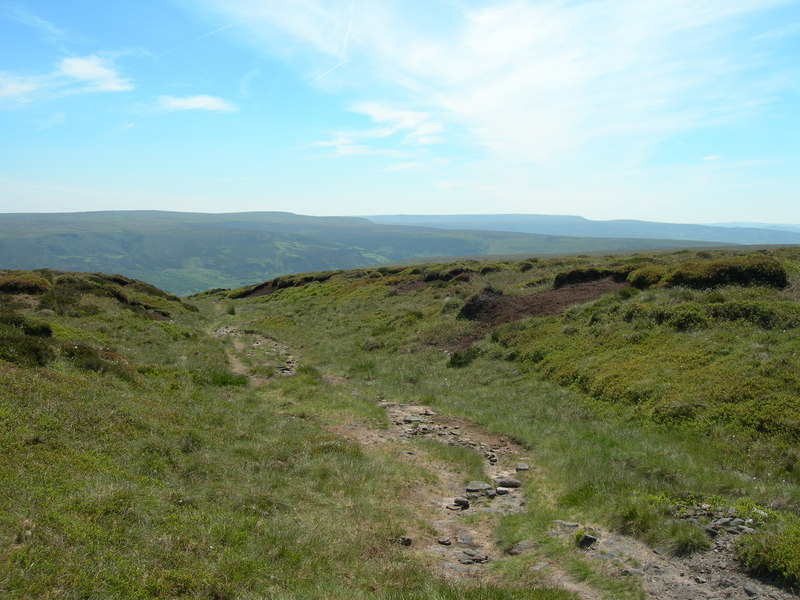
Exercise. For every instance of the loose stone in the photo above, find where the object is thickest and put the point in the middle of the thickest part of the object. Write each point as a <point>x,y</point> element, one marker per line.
<point>477,486</point>
<point>444,541</point>
<point>507,482</point>
<point>463,503</point>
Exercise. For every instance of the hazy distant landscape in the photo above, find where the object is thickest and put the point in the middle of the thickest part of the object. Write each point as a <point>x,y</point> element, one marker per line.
<point>191,252</point>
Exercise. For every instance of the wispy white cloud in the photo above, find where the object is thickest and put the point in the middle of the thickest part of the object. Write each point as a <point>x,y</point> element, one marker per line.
<point>402,130</point>
<point>52,121</point>
<point>72,75</point>
<point>403,166</point>
<point>16,88</point>
<point>27,17</point>
<point>98,74</point>
<point>535,81</point>
<point>201,102</point>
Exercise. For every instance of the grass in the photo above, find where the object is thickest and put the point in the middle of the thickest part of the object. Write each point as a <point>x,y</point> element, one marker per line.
<point>136,464</point>
<point>170,478</point>
<point>672,392</point>
<point>464,460</point>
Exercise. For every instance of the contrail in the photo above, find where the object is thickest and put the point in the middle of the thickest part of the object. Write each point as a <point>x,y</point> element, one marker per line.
<point>349,30</point>
<point>345,43</point>
<point>331,70</point>
<point>202,37</point>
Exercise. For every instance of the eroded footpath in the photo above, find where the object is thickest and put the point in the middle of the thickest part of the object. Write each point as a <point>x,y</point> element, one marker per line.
<point>461,516</point>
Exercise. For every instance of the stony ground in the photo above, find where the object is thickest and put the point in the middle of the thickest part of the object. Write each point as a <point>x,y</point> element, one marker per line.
<point>459,539</point>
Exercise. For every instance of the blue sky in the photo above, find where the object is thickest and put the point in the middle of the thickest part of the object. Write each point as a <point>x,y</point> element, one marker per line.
<point>671,110</point>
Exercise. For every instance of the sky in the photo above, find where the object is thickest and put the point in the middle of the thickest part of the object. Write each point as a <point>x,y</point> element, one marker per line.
<point>669,110</point>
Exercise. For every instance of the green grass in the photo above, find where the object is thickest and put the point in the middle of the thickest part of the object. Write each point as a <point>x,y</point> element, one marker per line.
<point>134,464</point>
<point>676,393</point>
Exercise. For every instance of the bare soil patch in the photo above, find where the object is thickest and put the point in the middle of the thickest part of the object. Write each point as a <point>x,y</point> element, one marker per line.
<point>493,308</point>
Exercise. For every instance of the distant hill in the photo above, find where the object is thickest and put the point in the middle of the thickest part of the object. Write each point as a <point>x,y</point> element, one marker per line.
<point>190,252</point>
<point>732,233</point>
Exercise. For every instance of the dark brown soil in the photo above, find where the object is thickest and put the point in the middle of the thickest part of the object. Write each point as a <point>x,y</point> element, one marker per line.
<point>264,289</point>
<point>493,308</point>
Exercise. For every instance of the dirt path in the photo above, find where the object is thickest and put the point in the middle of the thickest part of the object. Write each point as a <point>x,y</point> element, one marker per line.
<point>261,351</point>
<point>460,517</point>
<point>463,546</point>
<point>460,539</point>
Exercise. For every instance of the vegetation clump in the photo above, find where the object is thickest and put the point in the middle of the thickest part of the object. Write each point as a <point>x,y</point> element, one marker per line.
<point>23,282</point>
<point>747,270</point>
<point>589,274</point>
<point>775,553</point>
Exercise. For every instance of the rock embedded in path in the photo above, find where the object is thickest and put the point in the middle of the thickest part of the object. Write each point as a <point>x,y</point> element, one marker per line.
<point>478,486</point>
<point>465,539</point>
<point>444,541</point>
<point>569,524</point>
<point>507,482</point>
<point>414,419</point>
<point>586,540</point>
<point>521,467</point>
<point>463,503</point>
<point>520,547</point>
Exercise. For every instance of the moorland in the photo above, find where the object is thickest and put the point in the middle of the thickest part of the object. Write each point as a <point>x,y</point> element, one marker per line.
<point>620,426</point>
<point>186,253</point>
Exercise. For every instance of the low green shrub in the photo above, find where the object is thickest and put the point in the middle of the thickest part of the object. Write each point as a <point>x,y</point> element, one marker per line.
<point>24,350</point>
<point>775,553</point>
<point>753,270</point>
<point>588,274</point>
<point>646,277</point>
<point>461,358</point>
<point>24,282</point>
<point>223,378</point>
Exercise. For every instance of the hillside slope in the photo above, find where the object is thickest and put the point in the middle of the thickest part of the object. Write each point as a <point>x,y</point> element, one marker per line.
<point>570,428</point>
<point>189,252</point>
<point>619,228</point>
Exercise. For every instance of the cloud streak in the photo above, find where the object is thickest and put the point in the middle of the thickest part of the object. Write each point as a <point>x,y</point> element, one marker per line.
<point>201,102</point>
<point>72,75</point>
<point>534,81</point>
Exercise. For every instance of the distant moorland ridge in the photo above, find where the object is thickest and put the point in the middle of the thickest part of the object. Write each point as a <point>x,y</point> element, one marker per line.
<point>189,252</point>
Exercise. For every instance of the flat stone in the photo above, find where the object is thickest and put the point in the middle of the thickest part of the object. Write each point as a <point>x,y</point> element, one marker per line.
<point>414,419</point>
<point>750,590</point>
<point>521,467</point>
<point>470,552</point>
<point>507,482</point>
<point>478,486</point>
<point>501,491</point>
<point>748,530</point>
<point>444,541</point>
<point>586,540</point>
<point>566,523</point>
<point>462,502</point>
<point>520,547</point>
<point>465,539</point>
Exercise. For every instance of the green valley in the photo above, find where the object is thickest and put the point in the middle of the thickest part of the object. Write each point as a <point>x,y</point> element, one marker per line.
<point>189,252</point>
